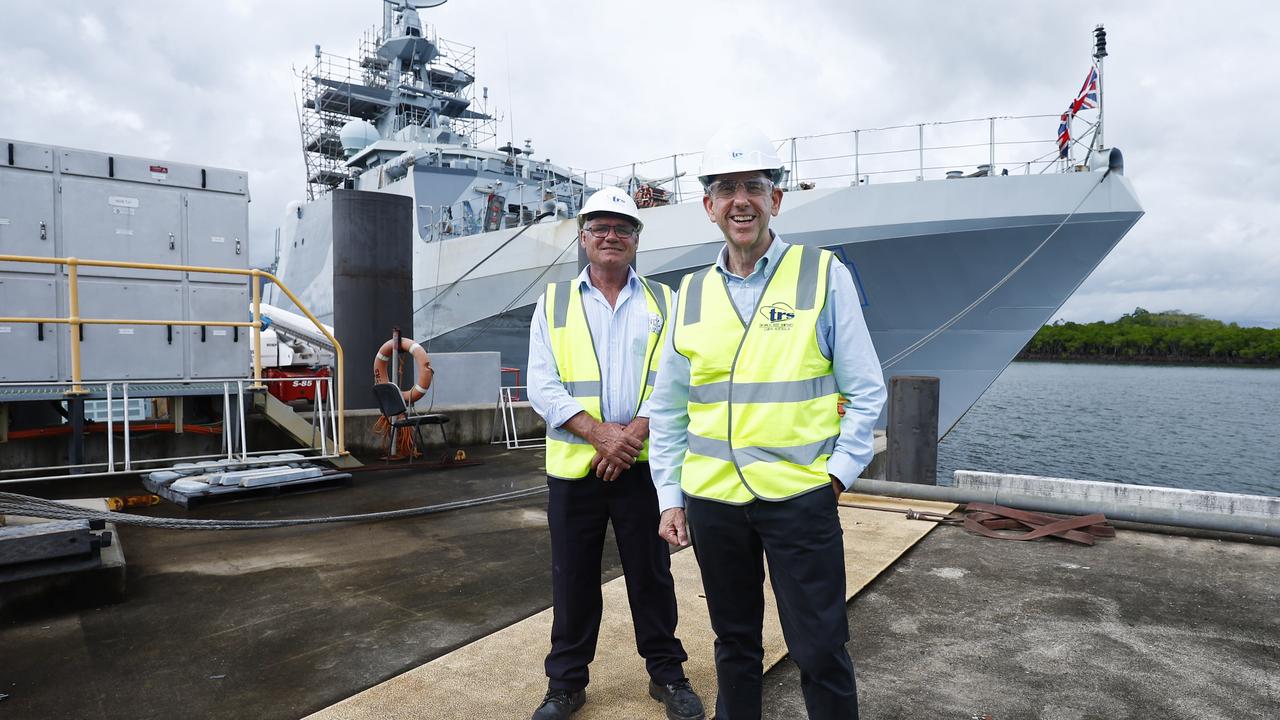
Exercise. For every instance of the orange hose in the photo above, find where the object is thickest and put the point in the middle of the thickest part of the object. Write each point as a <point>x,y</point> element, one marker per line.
<point>405,443</point>
<point>119,427</point>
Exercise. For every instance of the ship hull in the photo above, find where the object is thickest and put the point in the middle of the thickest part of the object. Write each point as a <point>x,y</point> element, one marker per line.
<point>954,276</point>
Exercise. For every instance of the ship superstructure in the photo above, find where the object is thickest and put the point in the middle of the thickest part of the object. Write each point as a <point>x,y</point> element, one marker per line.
<point>407,105</point>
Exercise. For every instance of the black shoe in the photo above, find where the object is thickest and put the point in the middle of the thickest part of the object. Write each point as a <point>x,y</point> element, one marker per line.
<point>560,704</point>
<point>681,701</point>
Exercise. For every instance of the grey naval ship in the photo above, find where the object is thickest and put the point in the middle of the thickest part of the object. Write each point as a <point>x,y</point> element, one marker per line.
<point>963,237</point>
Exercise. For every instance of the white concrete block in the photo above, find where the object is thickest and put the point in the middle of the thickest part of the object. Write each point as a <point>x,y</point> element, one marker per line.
<point>1092,491</point>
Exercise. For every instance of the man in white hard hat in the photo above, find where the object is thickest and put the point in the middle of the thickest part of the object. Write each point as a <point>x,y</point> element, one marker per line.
<point>594,346</point>
<point>749,451</point>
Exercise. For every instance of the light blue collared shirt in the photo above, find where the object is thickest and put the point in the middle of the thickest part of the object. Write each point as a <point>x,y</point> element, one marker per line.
<point>842,338</point>
<point>621,336</point>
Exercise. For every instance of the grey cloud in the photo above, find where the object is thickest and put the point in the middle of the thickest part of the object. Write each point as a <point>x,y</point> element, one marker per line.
<point>1190,97</point>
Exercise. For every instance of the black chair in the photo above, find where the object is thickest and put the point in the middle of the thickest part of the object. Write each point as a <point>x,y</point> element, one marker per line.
<point>391,404</point>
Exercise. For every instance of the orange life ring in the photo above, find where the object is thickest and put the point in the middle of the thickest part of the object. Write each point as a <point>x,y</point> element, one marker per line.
<point>425,373</point>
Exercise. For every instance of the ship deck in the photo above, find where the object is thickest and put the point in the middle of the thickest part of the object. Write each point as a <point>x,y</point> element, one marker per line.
<point>284,623</point>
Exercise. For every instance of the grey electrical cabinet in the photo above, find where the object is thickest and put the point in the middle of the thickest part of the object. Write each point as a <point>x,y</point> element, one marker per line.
<point>61,202</point>
<point>132,352</point>
<point>28,352</point>
<point>26,211</point>
<point>107,220</point>
<point>217,235</point>
<point>218,352</point>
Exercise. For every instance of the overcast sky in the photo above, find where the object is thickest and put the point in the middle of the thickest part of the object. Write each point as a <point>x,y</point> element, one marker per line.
<point>1192,98</point>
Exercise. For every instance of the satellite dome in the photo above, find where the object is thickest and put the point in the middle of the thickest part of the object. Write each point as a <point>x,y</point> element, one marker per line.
<point>356,136</point>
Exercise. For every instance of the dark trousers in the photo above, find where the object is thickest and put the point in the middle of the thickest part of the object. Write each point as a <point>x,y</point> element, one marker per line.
<point>578,512</point>
<point>804,544</point>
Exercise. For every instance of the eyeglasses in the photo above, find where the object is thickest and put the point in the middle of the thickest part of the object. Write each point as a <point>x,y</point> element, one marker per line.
<point>725,189</point>
<point>600,232</point>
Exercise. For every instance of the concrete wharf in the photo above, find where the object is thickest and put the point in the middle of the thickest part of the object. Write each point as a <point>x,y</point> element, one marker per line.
<point>285,623</point>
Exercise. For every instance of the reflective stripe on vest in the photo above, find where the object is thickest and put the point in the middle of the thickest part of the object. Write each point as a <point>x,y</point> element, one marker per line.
<point>569,456</point>
<point>762,398</point>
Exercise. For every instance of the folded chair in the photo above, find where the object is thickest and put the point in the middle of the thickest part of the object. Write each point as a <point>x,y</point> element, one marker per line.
<point>391,404</point>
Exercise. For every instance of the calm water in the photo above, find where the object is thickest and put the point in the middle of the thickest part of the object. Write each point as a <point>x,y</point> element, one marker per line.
<point>1202,428</point>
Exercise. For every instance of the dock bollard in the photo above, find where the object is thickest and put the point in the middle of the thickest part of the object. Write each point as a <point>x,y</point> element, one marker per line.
<point>912,455</point>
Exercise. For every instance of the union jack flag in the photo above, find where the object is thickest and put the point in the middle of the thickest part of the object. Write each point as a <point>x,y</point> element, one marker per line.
<point>1064,134</point>
<point>1087,98</point>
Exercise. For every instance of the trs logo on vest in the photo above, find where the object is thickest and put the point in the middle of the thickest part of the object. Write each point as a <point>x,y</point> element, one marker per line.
<point>779,315</point>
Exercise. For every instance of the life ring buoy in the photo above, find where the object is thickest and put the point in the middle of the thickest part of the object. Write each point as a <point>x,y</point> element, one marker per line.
<point>425,373</point>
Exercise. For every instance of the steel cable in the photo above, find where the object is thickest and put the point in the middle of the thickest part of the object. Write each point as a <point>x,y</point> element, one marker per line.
<point>14,504</point>
<point>483,260</point>
<point>494,317</point>
<point>885,365</point>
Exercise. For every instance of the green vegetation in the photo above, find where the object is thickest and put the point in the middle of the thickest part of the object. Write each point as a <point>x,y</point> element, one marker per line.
<point>1143,336</point>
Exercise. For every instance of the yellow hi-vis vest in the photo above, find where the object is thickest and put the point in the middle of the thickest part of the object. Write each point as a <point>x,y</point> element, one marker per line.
<point>762,398</point>
<point>569,456</point>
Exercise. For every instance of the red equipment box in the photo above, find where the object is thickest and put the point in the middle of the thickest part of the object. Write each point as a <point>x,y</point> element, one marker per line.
<point>296,383</point>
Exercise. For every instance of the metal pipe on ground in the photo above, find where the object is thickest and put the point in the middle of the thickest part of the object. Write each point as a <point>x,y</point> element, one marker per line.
<point>1130,512</point>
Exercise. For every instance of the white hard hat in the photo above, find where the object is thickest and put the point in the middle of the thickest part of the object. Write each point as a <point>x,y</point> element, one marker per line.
<point>610,200</point>
<point>739,148</point>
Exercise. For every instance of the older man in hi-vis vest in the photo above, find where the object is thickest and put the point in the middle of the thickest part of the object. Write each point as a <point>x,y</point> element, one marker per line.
<point>594,346</point>
<point>749,451</point>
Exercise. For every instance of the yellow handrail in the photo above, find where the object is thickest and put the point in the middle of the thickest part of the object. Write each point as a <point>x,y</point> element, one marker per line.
<point>337,348</point>
<point>75,321</point>
<point>73,316</point>
<point>257,337</point>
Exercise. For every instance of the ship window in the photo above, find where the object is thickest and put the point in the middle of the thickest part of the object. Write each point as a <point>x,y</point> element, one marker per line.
<point>413,31</point>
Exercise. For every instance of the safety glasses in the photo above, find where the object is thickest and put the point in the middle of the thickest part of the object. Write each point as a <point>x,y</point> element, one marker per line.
<point>600,232</point>
<point>725,189</point>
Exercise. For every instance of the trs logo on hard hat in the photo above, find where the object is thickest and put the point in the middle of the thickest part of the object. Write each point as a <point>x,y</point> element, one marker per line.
<point>617,199</point>
<point>736,154</point>
<point>778,314</point>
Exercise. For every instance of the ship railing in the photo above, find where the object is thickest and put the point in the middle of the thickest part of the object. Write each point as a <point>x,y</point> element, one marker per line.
<point>115,395</point>
<point>375,36</point>
<point>976,147</point>
<point>73,318</point>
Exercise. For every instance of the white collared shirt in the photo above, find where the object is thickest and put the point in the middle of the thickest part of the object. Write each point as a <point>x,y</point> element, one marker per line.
<point>621,335</point>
